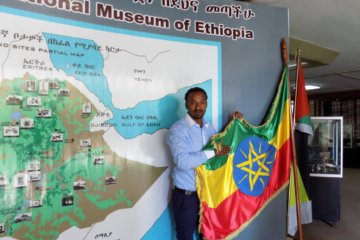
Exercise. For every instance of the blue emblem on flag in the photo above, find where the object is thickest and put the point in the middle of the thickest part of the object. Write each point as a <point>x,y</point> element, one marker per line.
<point>253,161</point>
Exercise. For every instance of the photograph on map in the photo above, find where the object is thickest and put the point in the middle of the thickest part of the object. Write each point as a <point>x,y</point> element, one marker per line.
<point>110,180</point>
<point>79,185</point>
<point>99,160</point>
<point>21,217</point>
<point>33,101</point>
<point>14,100</point>
<point>26,123</point>
<point>34,176</point>
<point>85,142</point>
<point>11,131</point>
<point>57,137</point>
<point>36,203</point>
<point>34,165</point>
<point>30,86</point>
<point>44,113</point>
<point>67,201</point>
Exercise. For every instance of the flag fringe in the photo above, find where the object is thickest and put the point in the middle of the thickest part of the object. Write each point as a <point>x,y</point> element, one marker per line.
<point>199,193</point>
<point>243,226</point>
<point>248,125</point>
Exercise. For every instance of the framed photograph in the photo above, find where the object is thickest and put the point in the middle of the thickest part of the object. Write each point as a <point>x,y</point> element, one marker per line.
<point>20,180</point>
<point>326,147</point>
<point>34,165</point>
<point>21,217</point>
<point>26,123</point>
<point>57,137</point>
<point>54,85</point>
<point>86,108</point>
<point>110,180</point>
<point>44,87</point>
<point>63,92</point>
<point>67,201</point>
<point>36,203</point>
<point>30,86</point>
<point>33,101</point>
<point>79,185</point>
<point>99,160</point>
<point>85,142</point>
<point>14,100</point>
<point>44,113</point>
<point>11,131</point>
<point>3,180</point>
<point>34,176</point>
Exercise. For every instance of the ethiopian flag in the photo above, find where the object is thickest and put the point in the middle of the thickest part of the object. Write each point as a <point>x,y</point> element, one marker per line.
<point>234,189</point>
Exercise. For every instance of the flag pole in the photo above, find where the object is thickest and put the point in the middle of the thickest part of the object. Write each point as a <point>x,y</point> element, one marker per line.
<point>298,211</point>
<point>297,58</point>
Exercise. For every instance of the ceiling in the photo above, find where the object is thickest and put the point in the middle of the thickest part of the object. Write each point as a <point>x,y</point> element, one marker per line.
<point>327,32</point>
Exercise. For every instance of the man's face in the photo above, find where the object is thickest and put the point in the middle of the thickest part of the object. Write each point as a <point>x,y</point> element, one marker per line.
<point>196,105</point>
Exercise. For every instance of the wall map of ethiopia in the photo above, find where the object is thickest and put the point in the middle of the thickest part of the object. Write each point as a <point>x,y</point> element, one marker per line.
<point>84,114</point>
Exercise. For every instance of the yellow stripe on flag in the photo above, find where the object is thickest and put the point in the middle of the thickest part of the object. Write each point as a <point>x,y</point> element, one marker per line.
<point>213,193</point>
<point>283,133</point>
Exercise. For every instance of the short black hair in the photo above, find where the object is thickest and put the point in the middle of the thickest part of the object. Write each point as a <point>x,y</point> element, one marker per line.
<point>195,89</point>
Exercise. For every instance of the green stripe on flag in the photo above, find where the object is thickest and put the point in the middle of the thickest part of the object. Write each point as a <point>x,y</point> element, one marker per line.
<point>242,129</point>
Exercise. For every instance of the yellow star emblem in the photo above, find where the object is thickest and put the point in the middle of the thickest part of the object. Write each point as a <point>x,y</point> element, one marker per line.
<point>255,165</point>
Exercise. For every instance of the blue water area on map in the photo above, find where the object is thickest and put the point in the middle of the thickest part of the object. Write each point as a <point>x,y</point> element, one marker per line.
<point>81,59</point>
<point>16,116</point>
<point>151,116</point>
<point>164,227</point>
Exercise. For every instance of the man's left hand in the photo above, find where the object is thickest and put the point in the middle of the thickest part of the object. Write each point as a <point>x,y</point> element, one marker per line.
<point>224,150</point>
<point>237,114</point>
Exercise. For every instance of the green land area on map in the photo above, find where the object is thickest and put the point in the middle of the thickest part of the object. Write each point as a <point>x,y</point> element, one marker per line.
<point>49,181</point>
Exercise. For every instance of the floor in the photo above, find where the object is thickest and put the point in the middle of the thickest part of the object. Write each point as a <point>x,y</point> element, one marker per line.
<point>348,228</point>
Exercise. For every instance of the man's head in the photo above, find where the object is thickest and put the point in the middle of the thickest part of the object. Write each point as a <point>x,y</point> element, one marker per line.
<point>196,103</point>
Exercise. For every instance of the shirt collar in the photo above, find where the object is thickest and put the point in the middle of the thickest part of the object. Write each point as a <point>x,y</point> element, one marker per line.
<point>191,121</point>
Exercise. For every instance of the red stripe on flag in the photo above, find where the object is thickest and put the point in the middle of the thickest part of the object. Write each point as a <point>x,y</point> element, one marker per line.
<point>217,223</point>
<point>301,101</point>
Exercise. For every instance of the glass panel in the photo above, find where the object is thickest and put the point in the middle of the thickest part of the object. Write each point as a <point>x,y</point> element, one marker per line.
<point>347,111</point>
<point>348,135</point>
<point>326,147</point>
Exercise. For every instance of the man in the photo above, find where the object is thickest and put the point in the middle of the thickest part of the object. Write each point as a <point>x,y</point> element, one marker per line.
<point>186,140</point>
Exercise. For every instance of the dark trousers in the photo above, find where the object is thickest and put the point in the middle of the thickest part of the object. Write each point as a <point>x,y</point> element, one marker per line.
<point>186,214</point>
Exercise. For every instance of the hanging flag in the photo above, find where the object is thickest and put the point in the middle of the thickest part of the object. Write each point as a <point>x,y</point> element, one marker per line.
<point>304,129</point>
<point>305,205</point>
<point>302,110</point>
<point>234,189</point>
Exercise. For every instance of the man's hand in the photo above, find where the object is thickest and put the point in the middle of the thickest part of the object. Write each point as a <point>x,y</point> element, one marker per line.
<point>224,150</point>
<point>237,114</point>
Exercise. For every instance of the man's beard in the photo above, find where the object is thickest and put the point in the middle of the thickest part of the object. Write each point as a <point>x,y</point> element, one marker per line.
<point>198,114</point>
